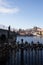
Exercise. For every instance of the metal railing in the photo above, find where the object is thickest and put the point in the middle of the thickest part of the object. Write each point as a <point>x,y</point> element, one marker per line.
<point>25,56</point>
<point>22,55</point>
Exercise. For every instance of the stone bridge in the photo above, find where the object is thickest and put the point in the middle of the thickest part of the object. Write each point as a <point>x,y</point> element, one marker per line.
<point>7,32</point>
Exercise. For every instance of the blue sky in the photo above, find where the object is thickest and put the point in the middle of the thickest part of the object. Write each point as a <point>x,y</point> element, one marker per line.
<point>21,13</point>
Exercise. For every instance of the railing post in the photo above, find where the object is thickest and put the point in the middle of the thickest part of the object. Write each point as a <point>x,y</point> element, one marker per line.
<point>22,57</point>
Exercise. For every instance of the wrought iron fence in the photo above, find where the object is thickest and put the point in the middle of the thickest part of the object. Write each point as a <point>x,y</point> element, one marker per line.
<point>22,56</point>
<point>25,57</point>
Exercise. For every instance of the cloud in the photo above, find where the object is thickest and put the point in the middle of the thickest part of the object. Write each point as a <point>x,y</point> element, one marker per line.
<point>4,8</point>
<point>8,10</point>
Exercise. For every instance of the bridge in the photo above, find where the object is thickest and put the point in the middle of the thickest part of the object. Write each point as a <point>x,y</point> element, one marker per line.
<point>6,31</point>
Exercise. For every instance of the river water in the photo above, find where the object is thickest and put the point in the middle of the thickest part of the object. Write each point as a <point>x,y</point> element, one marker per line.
<point>29,39</point>
<point>26,57</point>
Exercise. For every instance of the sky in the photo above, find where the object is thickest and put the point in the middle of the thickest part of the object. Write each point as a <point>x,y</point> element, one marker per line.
<point>22,14</point>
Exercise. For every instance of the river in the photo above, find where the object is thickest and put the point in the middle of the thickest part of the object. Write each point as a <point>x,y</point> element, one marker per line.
<point>29,39</point>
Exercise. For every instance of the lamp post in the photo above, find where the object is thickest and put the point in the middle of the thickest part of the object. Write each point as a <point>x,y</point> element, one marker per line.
<point>8,33</point>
